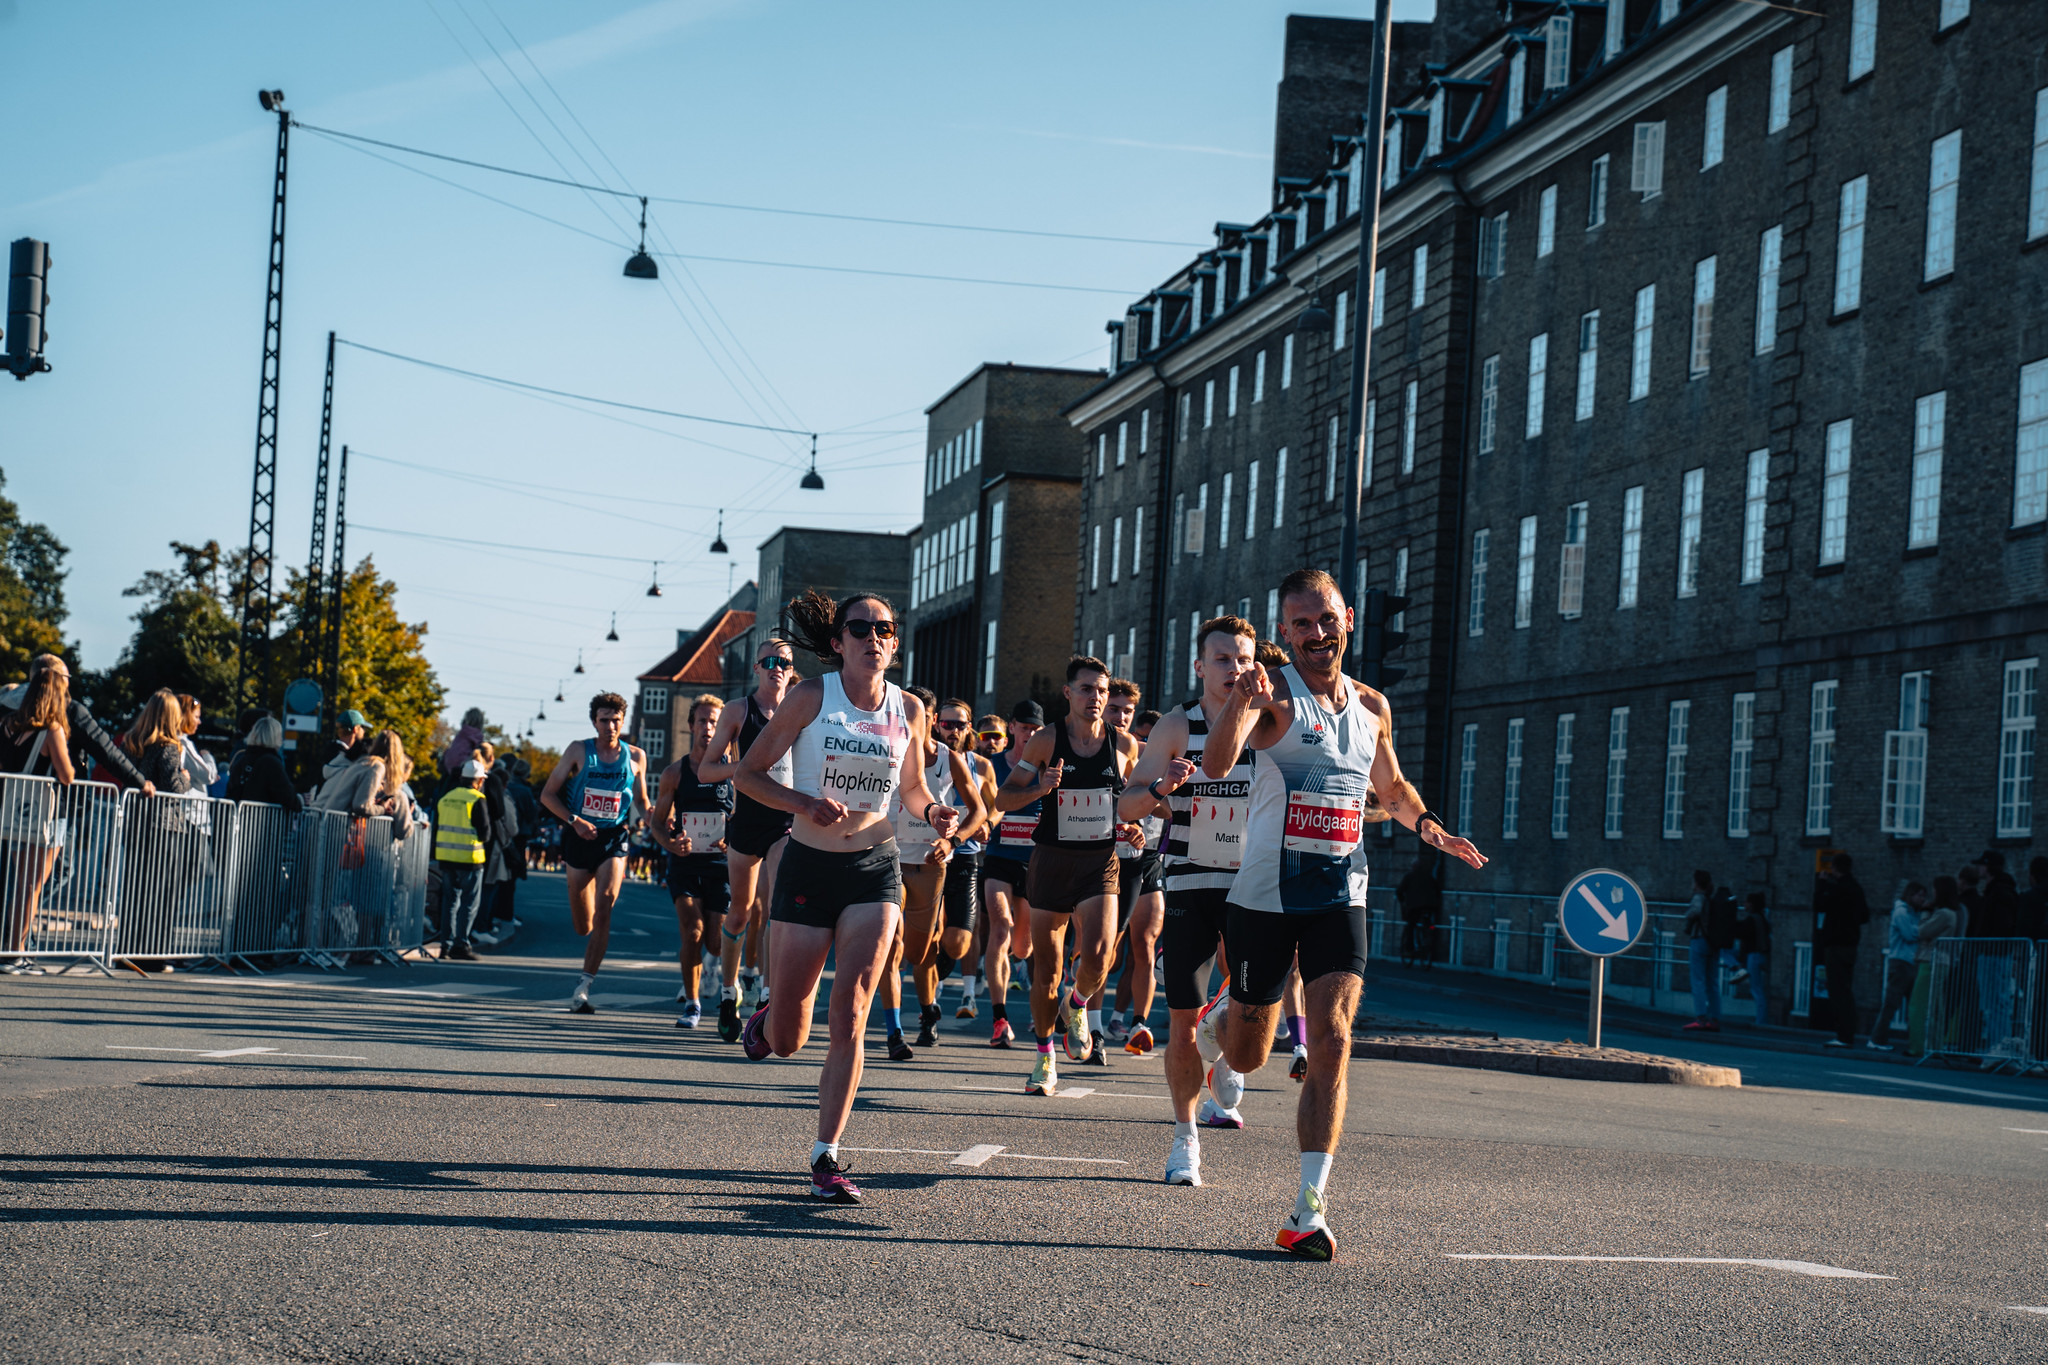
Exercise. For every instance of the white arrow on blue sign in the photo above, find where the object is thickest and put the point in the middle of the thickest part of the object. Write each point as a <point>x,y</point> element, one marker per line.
<point>1602,912</point>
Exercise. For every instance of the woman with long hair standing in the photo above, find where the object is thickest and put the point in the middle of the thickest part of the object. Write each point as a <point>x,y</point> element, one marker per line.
<point>35,741</point>
<point>155,835</point>
<point>855,740</point>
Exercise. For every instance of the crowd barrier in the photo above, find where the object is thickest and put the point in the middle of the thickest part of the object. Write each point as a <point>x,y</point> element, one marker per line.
<point>95,875</point>
<point>1984,1002</point>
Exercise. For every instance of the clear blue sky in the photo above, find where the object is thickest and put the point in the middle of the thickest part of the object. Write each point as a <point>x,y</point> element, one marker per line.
<point>137,148</point>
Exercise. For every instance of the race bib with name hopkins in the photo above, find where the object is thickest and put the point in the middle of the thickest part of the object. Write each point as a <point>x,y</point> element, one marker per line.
<point>858,772</point>
<point>1324,822</point>
<point>1216,812</point>
<point>603,807</point>
<point>1085,814</point>
<point>705,828</point>
<point>1015,830</point>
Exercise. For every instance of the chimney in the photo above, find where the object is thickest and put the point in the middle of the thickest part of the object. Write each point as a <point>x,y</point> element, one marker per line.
<point>1323,84</point>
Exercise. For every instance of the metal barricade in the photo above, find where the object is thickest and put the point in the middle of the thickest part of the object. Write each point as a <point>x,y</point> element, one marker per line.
<point>268,887</point>
<point>406,927</point>
<point>174,900</point>
<point>60,861</point>
<point>1979,1001</point>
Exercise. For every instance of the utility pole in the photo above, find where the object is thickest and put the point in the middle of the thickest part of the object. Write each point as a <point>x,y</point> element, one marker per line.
<point>314,611</point>
<point>338,581</point>
<point>1361,317</point>
<point>252,654</point>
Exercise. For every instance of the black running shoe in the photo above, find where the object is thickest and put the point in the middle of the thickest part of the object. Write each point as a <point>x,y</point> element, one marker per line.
<point>1098,1055</point>
<point>928,1027</point>
<point>729,1020</point>
<point>899,1051</point>
<point>829,1182</point>
<point>1297,1070</point>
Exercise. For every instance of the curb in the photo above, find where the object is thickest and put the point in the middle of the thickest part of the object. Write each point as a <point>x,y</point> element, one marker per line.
<point>1544,1059</point>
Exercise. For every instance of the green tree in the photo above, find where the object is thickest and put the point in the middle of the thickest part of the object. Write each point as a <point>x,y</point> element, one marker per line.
<point>185,634</point>
<point>384,669</point>
<point>32,574</point>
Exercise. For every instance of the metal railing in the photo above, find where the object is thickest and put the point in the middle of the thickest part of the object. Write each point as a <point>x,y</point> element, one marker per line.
<point>1984,1002</point>
<point>93,875</point>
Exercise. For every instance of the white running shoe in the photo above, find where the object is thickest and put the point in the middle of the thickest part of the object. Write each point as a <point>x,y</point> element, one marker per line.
<point>1226,1085</point>
<point>1206,1040</point>
<point>579,1000</point>
<point>1305,1233</point>
<point>1184,1162</point>
<point>1213,1115</point>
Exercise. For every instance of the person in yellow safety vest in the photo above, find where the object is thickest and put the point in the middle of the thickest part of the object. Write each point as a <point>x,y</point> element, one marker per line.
<point>461,823</point>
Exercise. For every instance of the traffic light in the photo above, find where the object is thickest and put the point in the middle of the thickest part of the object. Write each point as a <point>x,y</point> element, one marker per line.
<point>1377,640</point>
<point>28,270</point>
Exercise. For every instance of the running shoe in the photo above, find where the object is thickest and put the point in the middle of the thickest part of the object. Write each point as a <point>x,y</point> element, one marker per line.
<point>1213,1115</point>
<point>1305,1234</point>
<point>899,1051</point>
<point>1207,1041</point>
<point>1184,1162</point>
<point>693,1015</point>
<point>683,995</point>
<point>750,986</point>
<point>1045,1077</point>
<point>579,1000</point>
<point>928,1027</point>
<point>729,1020</point>
<point>1075,1022</point>
<point>1226,1085</point>
<point>1098,1054</point>
<point>754,1037</point>
<point>1297,1070</point>
<point>1115,1029</point>
<point>1140,1040</point>
<point>829,1182</point>
<point>1003,1035</point>
<point>967,1009</point>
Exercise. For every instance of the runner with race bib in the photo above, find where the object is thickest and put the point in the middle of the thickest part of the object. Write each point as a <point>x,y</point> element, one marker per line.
<point>696,810</point>
<point>1005,866</point>
<point>1324,744</point>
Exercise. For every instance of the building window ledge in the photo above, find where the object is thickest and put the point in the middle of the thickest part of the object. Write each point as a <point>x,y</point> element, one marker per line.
<point>2035,243</point>
<point>2030,529</point>
<point>1828,570</point>
<point>1938,281</point>
<point>1860,81</point>
<point>2013,841</point>
<point>1941,34</point>
<point>1906,841</point>
<point>1816,841</point>
<point>1921,551</point>
<point>1849,315</point>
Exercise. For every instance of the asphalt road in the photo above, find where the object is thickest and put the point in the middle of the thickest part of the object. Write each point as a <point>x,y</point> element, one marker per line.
<point>436,1163</point>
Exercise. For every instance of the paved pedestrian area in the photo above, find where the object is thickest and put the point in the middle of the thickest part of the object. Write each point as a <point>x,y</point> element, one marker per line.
<point>437,1164</point>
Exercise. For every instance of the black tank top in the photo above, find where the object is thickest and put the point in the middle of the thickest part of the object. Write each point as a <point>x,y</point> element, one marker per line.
<point>1096,780</point>
<point>700,797</point>
<point>750,730</point>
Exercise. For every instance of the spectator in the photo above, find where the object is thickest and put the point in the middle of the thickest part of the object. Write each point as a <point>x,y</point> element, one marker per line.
<point>500,854</point>
<point>523,826</point>
<point>1839,914</point>
<point>257,771</point>
<point>1939,923</point>
<point>34,741</point>
<point>464,745</point>
<point>350,730</point>
<point>358,787</point>
<point>1969,900</point>
<point>461,830</point>
<point>1701,955</point>
<point>199,765</point>
<point>83,730</point>
<point>1753,947</point>
<point>1421,894</point>
<point>1901,960</point>
<point>156,744</point>
<point>2031,914</point>
<point>1995,917</point>
<point>156,834</point>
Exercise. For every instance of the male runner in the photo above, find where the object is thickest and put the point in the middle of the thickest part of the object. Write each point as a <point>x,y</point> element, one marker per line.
<point>594,791</point>
<point>1204,844</point>
<point>925,854</point>
<point>1134,989</point>
<point>754,837</point>
<point>1005,867</point>
<point>1080,763</point>
<point>1137,862</point>
<point>697,810</point>
<point>1324,745</point>
<point>961,898</point>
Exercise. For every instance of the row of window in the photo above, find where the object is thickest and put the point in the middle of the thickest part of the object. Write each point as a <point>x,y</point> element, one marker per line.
<point>949,461</point>
<point>1903,788</point>
<point>944,558</point>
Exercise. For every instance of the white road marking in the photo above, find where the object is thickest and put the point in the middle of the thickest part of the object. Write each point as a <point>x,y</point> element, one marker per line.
<point>613,1000</point>
<point>453,990</point>
<point>1092,1160</point>
<point>239,1052</point>
<point>1814,1268</point>
<point>1936,1085</point>
<point>2027,1130</point>
<point>979,1154</point>
<point>902,1151</point>
<point>1071,1092</point>
<point>2021,1308</point>
<point>976,1155</point>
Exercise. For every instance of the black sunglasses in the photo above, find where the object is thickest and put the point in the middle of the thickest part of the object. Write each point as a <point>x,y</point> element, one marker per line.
<point>775,663</point>
<point>881,630</point>
<point>952,725</point>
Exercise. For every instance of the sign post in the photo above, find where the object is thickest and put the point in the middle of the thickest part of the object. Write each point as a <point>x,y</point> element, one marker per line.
<point>1601,913</point>
<point>301,711</point>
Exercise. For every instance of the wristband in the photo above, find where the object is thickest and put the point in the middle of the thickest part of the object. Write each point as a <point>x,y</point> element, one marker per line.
<point>1153,787</point>
<point>1441,823</point>
<point>927,816</point>
<point>1023,767</point>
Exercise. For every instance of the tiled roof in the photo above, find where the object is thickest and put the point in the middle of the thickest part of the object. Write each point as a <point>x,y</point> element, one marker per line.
<point>697,660</point>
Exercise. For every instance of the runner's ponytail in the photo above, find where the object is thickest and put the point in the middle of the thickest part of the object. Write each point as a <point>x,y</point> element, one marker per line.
<point>814,621</point>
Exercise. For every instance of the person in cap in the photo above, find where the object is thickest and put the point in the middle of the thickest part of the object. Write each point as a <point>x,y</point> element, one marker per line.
<point>351,727</point>
<point>461,827</point>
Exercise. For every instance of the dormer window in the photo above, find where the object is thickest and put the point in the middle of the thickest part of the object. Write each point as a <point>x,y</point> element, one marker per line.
<point>1433,146</point>
<point>1557,52</point>
<point>1393,148</point>
<point>1518,85</point>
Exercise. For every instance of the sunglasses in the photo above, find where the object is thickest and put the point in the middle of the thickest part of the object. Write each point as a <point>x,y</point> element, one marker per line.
<point>881,630</point>
<point>775,663</point>
<point>994,736</point>
<point>952,725</point>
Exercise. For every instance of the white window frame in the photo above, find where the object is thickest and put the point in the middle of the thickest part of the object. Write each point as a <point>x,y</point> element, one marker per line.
<point>1692,506</point>
<point>1342,320</point>
<point>1259,376</point>
<point>1418,280</point>
<point>1778,112</point>
<point>1468,771</point>
<point>988,661</point>
<point>1279,486</point>
<point>1741,753</point>
<point>1410,402</point>
<point>2037,171</point>
<point>1194,648</point>
<point>1614,806</point>
<point>1770,256</point>
<point>1230,395</point>
<point>995,534</point>
<point>1617,30</point>
<point>2017,723</point>
<point>1646,160</point>
<point>1642,342</point>
<point>1116,550</point>
<point>1820,757</point>
<point>1223,519</point>
<point>1518,84</point>
<point>1101,454</point>
<point>2030,447</point>
<point>1902,809</point>
<point>1701,352</point>
<point>1525,574</point>
<point>654,739</point>
<point>654,701</point>
<point>1475,611</point>
<point>1596,194</point>
<point>1144,431</point>
<point>1493,252</point>
<point>1756,490</point>
<point>1546,221</point>
<point>1251,500</point>
<point>1511,781</point>
<point>1272,613</point>
<point>1571,564</point>
<point>1561,777</point>
<point>1557,52</point>
<point>1095,557</point>
<point>1335,439</point>
<point>1952,12</point>
<point>1489,403</point>
<point>1677,737</point>
<point>1539,367</point>
<point>1944,186</point>
<point>1862,38</point>
<point>1379,298</point>
<point>1208,404</point>
<point>1287,361</point>
<point>1930,431</point>
<point>1137,537</point>
<point>1589,365</point>
<point>1714,137</point>
<point>1849,231</point>
<point>1630,590</point>
<point>1834,496</point>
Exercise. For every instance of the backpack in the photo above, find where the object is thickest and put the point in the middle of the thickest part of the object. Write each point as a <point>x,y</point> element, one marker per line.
<point>1722,913</point>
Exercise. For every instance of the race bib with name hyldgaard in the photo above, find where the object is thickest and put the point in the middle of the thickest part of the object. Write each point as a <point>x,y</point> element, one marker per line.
<point>1324,822</point>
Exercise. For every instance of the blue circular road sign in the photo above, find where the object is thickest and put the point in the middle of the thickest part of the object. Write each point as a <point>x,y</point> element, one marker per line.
<point>1602,912</point>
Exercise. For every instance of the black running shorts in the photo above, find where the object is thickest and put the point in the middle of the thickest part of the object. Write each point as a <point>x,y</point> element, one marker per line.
<point>1193,930</point>
<point>587,855</point>
<point>1264,945</point>
<point>813,885</point>
<point>1011,872</point>
<point>963,891</point>
<point>1063,878</point>
<point>753,828</point>
<point>1140,876</point>
<point>702,877</point>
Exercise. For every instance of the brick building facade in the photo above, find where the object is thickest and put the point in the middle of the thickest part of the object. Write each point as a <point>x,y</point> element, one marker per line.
<point>836,563</point>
